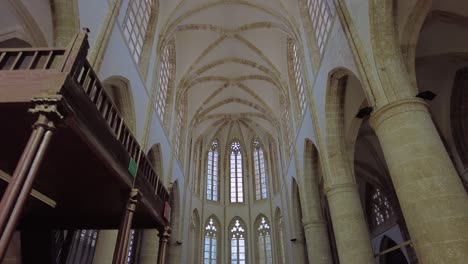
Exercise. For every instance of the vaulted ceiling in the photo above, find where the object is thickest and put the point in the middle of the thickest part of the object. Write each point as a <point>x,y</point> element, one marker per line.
<point>231,61</point>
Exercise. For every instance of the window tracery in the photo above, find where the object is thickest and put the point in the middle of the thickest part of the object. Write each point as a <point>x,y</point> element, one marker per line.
<point>236,177</point>
<point>238,244</point>
<point>264,242</point>
<point>259,171</point>
<point>380,207</point>
<point>212,172</point>
<point>296,75</point>
<point>210,244</point>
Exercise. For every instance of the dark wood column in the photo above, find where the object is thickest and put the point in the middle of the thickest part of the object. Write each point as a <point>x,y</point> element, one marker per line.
<point>18,190</point>
<point>121,246</point>
<point>164,236</point>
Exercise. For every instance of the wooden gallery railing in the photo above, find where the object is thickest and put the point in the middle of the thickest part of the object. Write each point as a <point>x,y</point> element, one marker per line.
<point>72,62</point>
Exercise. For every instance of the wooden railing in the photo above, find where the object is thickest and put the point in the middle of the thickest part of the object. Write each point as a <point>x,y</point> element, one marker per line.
<point>72,61</point>
<point>31,59</point>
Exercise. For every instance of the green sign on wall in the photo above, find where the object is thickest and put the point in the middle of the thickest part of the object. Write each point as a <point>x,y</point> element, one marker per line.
<point>132,167</point>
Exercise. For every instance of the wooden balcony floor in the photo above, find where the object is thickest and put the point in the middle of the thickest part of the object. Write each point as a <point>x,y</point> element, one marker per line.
<point>90,191</point>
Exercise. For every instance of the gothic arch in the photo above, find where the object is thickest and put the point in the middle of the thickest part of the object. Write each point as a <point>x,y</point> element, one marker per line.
<point>280,237</point>
<point>394,257</point>
<point>239,227</point>
<point>194,237</point>
<point>120,92</point>
<point>155,158</point>
<point>263,238</point>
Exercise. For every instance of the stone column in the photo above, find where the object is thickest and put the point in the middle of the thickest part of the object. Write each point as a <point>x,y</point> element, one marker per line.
<point>149,247</point>
<point>102,38</point>
<point>105,246</point>
<point>318,245</point>
<point>430,192</point>
<point>164,236</point>
<point>351,232</point>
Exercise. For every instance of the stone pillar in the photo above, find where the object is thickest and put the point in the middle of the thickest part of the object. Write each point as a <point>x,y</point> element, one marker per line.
<point>430,192</point>
<point>149,246</point>
<point>66,21</point>
<point>351,232</point>
<point>318,245</point>
<point>164,236</point>
<point>105,246</point>
<point>102,39</point>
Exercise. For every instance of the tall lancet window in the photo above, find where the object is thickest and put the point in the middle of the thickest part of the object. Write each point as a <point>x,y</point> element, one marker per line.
<point>321,17</point>
<point>297,75</point>
<point>264,241</point>
<point>236,182</point>
<point>165,78</point>
<point>259,169</point>
<point>135,25</point>
<point>212,173</point>
<point>238,244</point>
<point>210,247</point>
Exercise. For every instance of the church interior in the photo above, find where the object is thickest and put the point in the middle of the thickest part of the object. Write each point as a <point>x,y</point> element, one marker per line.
<point>233,131</point>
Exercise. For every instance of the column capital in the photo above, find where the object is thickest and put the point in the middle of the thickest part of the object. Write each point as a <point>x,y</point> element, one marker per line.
<point>395,108</point>
<point>313,223</point>
<point>165,233</point>
<point>338,188</point>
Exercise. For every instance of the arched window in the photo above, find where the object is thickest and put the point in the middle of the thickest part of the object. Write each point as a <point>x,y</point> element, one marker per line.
<point>136,23</point>
<point>380,208</point>
<point>179,137</point>
<point>165,78</point>
<point>259,170</point>
<point>238,242</point>
<point>212,172</point>
<point>264,255</point>
<point>280,238</point>
<point>237,186</point>
<point>321,18</point>
<point>295,71</point>
<point>210,248</point>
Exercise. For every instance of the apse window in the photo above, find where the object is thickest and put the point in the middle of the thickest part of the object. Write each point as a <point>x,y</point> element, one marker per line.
<point>210,246</point>
<point>259,169</point>
<point>236,179</point>
<point>212,172</point>
<point>238,247</point>
<point>264,242</point>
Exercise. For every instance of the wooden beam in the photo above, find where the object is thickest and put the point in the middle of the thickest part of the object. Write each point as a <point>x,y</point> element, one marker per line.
<point>393,248</point>
<point>38,195</point>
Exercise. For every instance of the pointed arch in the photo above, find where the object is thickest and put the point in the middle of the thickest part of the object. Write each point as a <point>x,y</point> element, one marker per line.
<point>236,175</point>
<point>155,158</point>
<point>212,240</point>
<point>261,187</point>
<point>300,250</point>
<point>120,92</point>
<point>237,241</point>
<point>395,256</point>
<point>212,172</point>
<point>263,248</point>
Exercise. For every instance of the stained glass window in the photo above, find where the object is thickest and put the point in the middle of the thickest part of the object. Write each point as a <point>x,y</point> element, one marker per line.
<point>381,210</point>
<point>259,169</point>
<point>210,246</point>
<point>236,178</point>
<point>212,173</point>
<point>264,242</point>
<point>238,244</point>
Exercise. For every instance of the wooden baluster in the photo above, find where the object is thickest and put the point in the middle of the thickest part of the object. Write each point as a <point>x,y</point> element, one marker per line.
<point>33,60</point>
<point>17,59</point>
<point>48,60</point>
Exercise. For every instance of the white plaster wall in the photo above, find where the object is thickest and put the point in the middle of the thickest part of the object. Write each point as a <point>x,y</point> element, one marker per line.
<point>41,12</point>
